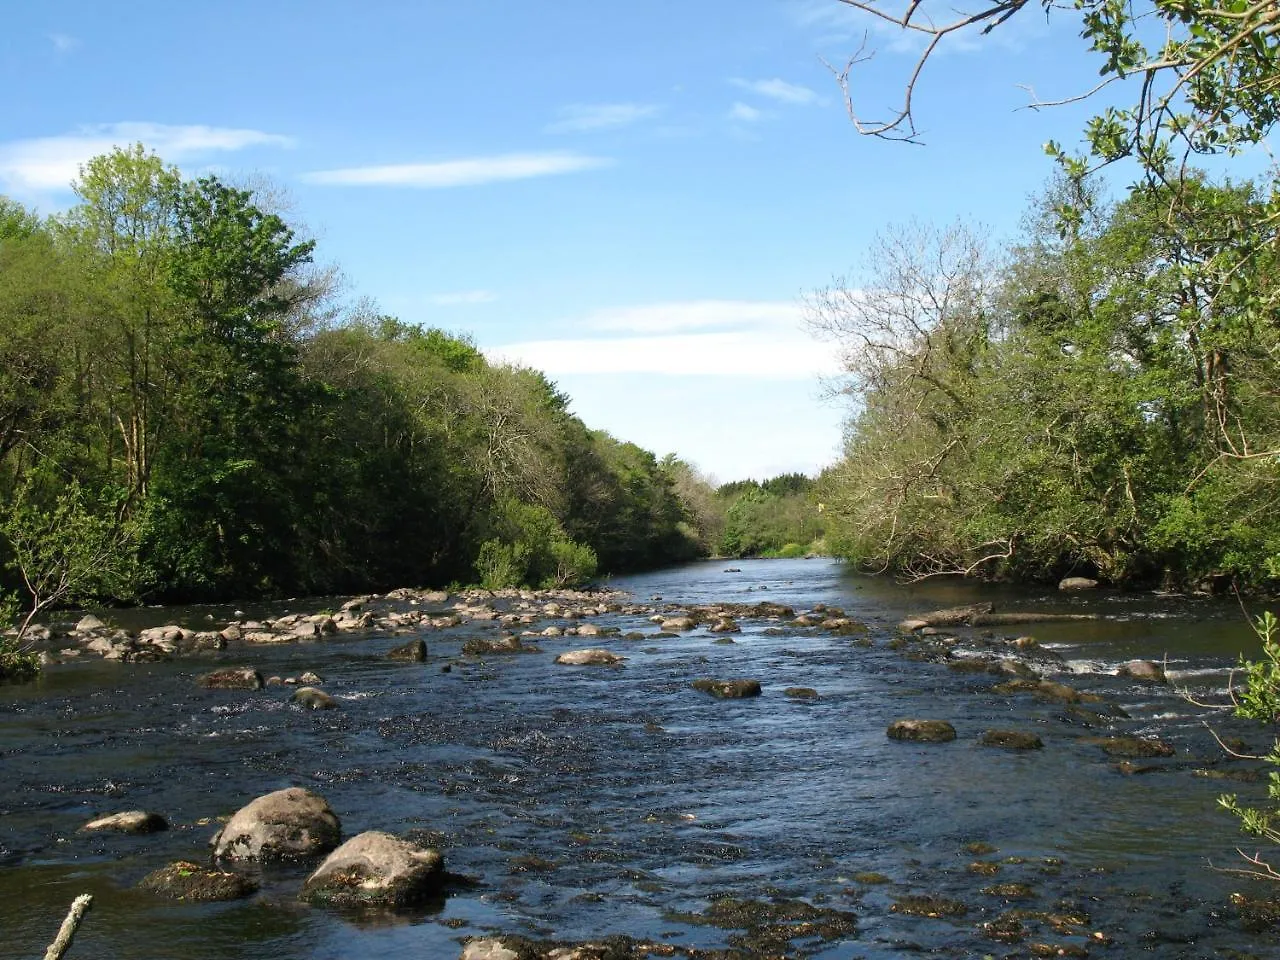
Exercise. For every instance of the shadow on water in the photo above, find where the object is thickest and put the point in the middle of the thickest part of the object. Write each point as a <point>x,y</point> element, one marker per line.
<point>620,801</point>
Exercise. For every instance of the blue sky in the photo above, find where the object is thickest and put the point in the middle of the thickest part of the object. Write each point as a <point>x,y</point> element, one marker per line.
<point>632,197</point>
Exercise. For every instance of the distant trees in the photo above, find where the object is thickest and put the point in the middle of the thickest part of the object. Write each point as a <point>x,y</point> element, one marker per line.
<point>778,517</point>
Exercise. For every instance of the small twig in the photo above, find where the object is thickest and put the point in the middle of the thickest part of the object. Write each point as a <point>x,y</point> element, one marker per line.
<point>70,924</point>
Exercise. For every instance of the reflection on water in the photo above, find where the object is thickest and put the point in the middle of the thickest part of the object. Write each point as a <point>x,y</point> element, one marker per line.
<point>589,802</point>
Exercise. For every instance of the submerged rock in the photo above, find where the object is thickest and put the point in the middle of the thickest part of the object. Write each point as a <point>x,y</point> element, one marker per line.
<point>375,869</point>
<point>1134,747</point>
<point>801,693</point>
<point>129,821</point>
<point>728,689</point>
<point>184,880</point>
<point>590,658</point>
<point>415,651</point>
<point>289,824</point>
<point>242,678</point>
<point>928,906</point>
<point>924,731</point>
<point>1011,740</point>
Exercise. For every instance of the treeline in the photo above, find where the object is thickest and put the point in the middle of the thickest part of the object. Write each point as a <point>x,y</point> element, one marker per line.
<point>1102,398</point>
<point>779,517</point>
<point>185,415</point>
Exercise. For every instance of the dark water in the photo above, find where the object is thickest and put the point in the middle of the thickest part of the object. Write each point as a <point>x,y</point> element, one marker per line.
<point>597,801</point>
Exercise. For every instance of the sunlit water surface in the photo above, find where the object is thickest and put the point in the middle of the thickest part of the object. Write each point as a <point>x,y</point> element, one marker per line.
<point>608,801</point>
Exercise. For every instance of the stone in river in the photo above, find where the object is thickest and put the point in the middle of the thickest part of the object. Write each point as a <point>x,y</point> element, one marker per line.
<point>129,821</point>
<point>313,699</point>
<point>924,731</point>
<point>242,678</point>
<point>1011,740</point>
<point>415,651</point>
<point>184,880</point>
<point>728,689</point>
<point>375,869</point>
<point>590,658</point>
<point>289,824</point>
<point>1147,670</point>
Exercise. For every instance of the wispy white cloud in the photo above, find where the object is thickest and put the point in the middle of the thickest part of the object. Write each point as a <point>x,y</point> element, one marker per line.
<point>745,113</point>
<point>470,171</point>
<point>753,354</point>
<point>687,315</point>
<point>763,339</point>
<point>64,42</point>
<point>50,163</point>
<point>463,298</point>
<point>585,117</point>
<point>777,89</point>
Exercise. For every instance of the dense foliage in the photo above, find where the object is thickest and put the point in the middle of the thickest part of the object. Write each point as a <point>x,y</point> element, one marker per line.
<point>1081,403</point>
<point>776,518</point>
<point>183,414</point>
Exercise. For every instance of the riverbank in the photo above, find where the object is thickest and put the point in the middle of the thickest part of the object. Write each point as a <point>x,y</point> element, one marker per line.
<point>586,800</point>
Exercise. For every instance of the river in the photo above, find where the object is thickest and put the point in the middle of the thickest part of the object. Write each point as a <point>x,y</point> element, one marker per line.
<point>594,801</point>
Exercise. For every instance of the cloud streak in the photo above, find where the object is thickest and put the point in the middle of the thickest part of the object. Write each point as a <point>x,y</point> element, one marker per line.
<point>690,315</point>
<point>731,354</point>
<point>463,298</point>
<point>51,163</point>
<point>586,117</point>
<point>762,339</point>
<point>467,172</point>
<point>745,113</point>
<point>777,89</point>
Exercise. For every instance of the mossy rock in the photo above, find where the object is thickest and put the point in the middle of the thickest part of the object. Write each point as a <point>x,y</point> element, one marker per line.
<point>922,731</point>
<point>929,906</point>
<point>375,869</point>
<point>801,693</point>
<point>1011,740</point>
<point>728,689</point>
<point>184,880</point>
<point>1134,748</point>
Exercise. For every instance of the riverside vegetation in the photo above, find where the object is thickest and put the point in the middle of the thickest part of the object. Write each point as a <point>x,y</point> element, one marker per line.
<point>1100,397</point>
<point>186,413</point>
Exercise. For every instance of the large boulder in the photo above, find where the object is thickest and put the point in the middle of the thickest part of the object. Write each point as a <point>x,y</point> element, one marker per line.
<point>290,824</point>
<point>375,869</point>
<point>924,731</point>
<point>129,821</point>
<point>184,880</point>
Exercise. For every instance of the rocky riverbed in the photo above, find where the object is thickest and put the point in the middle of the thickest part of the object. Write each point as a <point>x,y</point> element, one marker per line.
<point>778,761</point>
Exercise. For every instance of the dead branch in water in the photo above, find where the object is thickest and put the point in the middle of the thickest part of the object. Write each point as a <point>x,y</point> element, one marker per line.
<point>70,924</point>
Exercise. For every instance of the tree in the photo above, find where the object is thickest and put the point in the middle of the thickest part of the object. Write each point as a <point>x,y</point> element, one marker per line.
<point>125,223</point>
<point>66,550</point>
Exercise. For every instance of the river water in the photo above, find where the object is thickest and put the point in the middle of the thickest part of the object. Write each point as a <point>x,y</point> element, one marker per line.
<point>594,801</point>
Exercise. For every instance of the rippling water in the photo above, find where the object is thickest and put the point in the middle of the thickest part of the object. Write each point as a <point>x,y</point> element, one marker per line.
<point>596,801</point>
